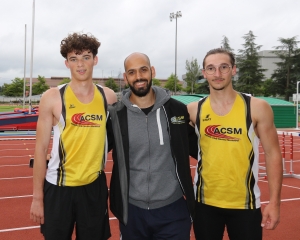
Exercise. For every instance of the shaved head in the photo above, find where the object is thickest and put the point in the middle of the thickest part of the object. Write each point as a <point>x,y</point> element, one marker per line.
<point>134,55</point>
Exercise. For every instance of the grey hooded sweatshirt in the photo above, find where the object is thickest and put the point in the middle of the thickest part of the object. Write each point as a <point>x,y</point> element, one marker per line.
<point>153,179</point>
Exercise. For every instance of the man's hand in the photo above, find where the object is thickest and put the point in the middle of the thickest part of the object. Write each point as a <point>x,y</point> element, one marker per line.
<point>270,216</point>
<point>37,211</point>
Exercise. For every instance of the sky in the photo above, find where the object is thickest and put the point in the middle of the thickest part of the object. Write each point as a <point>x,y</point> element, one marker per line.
<point>127,26</point>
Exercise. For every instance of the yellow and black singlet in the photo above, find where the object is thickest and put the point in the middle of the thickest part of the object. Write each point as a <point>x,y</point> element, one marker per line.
<point>79,141</point>
<point>227,170</point>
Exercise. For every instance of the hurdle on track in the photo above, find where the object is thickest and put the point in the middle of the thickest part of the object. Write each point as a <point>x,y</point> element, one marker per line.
<point>291,136</point>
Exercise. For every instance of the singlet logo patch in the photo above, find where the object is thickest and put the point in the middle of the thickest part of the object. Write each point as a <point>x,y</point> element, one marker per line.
<point>207,118</point>
<point>81,120</point>
<point>222,133</point>
<point>72,106</point>
<point>177,120</point>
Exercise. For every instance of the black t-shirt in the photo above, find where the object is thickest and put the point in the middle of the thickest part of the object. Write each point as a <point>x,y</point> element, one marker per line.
<point>147,110</point>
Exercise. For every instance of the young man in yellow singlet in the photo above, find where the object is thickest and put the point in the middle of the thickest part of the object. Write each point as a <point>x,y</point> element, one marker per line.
<point>229,126</point>
<point>73,188</point>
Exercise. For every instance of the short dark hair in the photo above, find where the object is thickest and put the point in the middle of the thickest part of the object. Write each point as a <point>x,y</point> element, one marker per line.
<point>78,43</point>
<point>220,50</point>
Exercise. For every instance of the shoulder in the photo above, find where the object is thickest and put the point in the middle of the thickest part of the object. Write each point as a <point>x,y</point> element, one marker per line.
<point>260,110</point>
<point>52,93</point>
<point>192,106</point>
<point>110,95</point>
<point>50,103</point>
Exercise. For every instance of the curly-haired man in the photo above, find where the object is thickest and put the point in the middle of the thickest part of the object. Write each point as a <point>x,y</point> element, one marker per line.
<point>73,191</point>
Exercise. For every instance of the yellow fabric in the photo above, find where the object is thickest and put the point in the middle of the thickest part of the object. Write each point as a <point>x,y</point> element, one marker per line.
<point>82,141</point>
<point>225,168</point>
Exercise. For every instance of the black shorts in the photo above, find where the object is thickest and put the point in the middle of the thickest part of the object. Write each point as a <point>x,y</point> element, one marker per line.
<point>171,222</point>
<point>241,224</point>
<point>84,207</point>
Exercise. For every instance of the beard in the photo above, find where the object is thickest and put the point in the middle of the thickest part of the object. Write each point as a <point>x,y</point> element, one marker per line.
<point>143,91</point>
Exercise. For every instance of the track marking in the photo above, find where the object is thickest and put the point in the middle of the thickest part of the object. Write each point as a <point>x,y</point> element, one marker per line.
<point>24,196</point>
<point>284,185</point>
<point>15,178</point>
<point>14,165</point>
<point>33,227</point>
<point>284,200</point>
<point>18,229</point>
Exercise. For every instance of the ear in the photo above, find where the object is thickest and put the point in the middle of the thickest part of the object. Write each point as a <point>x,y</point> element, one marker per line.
<point>67,63</point>
<point>153,72</point>
<point>95,60</point>
<point>203,73</point>
<point>233,71</point>
<point>125,78</point>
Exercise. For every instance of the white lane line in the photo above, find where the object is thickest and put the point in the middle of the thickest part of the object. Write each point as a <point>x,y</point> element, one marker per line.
<point>31,227</point>
<point>284,185</point>
<point>15,178</point>
<point>18,165</point>
<point>24,196</point>
<point>284,200</point>
<point>18,229</point>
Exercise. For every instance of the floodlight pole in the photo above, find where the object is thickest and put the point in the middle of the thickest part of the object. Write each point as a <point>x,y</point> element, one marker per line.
<point>175,16</point>
<point>31,61</point>
<point>297,113</point>
<point>24,80</point>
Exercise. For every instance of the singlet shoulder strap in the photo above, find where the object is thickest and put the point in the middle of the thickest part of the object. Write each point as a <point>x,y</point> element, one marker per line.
<point>198,111</point>
<point>62,89</point>
<point>247,99</point>
<point>100,88</point>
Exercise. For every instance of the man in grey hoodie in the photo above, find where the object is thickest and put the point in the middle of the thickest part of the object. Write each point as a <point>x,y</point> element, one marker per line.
<point>151,189</point>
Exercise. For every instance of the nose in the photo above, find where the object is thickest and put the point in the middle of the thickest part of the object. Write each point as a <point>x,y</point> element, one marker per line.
<point>217,72</point>
<point>138,75</point>
<point>79,62</point>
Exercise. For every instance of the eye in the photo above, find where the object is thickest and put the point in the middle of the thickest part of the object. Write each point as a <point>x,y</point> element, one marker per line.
<point>211,68</point>
<point>86,58</point>
<point>224,66</point>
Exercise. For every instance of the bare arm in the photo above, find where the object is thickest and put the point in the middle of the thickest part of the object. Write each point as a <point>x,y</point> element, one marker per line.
<point>110,95</point>
<point>265,129</point>
<point>43,135</point>
<point>192,109</point>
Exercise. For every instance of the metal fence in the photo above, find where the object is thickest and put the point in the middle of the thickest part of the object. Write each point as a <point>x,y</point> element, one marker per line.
<point>19,100</point>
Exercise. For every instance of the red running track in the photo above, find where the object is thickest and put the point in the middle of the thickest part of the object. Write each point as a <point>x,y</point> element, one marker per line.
<point>16,195</point>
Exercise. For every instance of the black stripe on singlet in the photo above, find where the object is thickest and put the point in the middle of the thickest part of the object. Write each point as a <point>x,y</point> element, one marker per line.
<point>61,149</point>
<point>250,199</point>
<point>199,183</point>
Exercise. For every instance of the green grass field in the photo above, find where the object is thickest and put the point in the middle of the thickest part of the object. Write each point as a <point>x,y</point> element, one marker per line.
<point>7,108</point>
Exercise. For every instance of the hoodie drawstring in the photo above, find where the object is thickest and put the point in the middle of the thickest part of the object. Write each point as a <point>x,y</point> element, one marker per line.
<point>161,139</point>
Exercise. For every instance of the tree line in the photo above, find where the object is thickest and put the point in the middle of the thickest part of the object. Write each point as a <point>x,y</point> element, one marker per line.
<point>250,79</point>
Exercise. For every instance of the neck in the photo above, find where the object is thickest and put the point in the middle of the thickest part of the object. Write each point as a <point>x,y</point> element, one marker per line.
<point>222,96</point>
<point>143,102</point>
<point>83,87</point>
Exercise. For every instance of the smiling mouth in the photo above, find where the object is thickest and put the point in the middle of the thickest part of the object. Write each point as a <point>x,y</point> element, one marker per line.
<point>140,82</point>
<point>81,71</point>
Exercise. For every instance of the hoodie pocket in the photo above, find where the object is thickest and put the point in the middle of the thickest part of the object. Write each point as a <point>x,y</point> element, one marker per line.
<point>162,185</point>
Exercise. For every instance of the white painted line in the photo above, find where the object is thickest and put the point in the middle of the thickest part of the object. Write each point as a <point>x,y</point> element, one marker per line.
<point>32,227</point>
<point>19,165</point>
<point>284,200</point>
<point>284,185</point>
<point>18,229</point>
<point>24,196</point>
<point>15,178</point>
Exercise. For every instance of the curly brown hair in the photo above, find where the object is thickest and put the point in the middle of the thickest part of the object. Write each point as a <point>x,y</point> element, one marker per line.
<point>78,43</point>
